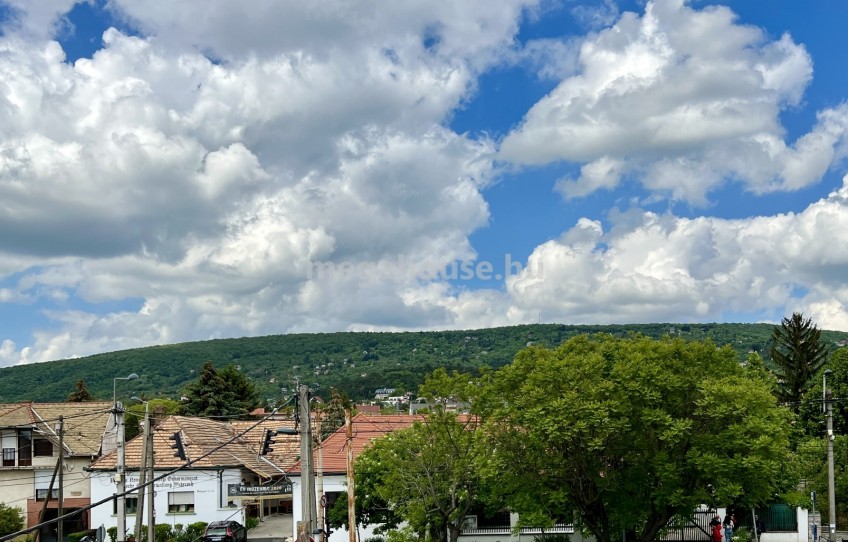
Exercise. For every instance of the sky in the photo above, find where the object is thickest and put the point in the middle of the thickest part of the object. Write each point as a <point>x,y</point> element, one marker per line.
<point>179,171</point>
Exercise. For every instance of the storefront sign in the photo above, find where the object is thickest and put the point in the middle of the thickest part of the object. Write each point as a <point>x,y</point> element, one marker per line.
<point>242,490</point>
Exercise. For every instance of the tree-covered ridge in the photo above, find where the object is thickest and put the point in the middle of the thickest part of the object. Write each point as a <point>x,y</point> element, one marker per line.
<point>356,363</point>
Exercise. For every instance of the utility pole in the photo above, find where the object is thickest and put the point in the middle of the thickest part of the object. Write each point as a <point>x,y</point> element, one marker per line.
<point>351,500</point>
<point>142,474</point>
<point>307,472</point>
<point>322,522</point>
<point>120,482</point>
<point>61,511</point>
<point>151,511</point>
<point>831,490</point>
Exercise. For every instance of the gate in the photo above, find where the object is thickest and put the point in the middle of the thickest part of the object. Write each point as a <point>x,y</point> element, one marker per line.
<point>694,528</point>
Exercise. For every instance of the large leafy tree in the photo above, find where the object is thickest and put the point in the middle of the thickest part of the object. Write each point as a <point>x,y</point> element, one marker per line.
<point>632,432</point>
<point>219,393</point>
<point>427,475</point>
<point>798,353</point>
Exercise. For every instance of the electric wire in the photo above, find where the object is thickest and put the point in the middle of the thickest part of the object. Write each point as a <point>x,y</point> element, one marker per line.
<point>141,486</point>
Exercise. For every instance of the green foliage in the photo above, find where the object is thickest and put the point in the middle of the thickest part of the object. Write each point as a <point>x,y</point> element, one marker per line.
<point>632,432</point>
<point>812,459</point>
<point>427,475</point>
<point>251,523</point>
<point>334,360</point>
<point>811,414</point>
<point>798,353</point>
<point>112,532</point>
<point>219,393</point>
<point>406,534</point>
<point>741,534</point>
<point>75,537</point>
<point>134,417</point>
<point>11,519</point>
<point>162,532</point>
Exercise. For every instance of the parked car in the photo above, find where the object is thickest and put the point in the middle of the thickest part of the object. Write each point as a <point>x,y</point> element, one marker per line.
<point>225,531</point>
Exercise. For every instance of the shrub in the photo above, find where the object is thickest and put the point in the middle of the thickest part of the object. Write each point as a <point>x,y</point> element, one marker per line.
<point>162,532</point>
<point>113,533</point>
<point>250,523</point>
<point>11,519</point>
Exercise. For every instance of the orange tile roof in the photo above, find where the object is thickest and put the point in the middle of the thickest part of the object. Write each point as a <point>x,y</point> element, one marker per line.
<point>84,423</point>
<point>201,437</point>
<point>366,428</point>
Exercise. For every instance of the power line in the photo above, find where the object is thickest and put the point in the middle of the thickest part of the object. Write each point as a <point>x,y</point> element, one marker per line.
<point>141,486</point>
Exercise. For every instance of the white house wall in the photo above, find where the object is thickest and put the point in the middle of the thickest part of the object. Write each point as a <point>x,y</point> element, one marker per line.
<point>208,486</point>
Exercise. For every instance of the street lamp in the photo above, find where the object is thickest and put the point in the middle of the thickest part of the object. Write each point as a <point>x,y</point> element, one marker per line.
<point>831,490</point>
<point>119,476</point>
<point>146,465</point>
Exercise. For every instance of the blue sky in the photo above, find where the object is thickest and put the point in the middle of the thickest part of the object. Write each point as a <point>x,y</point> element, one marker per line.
<point>174,172</point>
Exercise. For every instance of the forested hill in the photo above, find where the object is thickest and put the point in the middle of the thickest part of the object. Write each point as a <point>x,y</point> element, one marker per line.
<point>358,363</point>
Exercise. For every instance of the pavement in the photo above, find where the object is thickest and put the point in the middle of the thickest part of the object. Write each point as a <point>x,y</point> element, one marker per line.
<point>273,528</point>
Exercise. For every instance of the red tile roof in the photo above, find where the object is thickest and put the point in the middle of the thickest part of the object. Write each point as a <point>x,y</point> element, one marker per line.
<point>366,428</point>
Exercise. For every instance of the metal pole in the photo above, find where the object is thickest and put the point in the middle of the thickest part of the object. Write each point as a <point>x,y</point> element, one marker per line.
<point>59,527</point>
<point>151,511</point>
<point>831,490</point>
<point>142,475</point>
<point>351,499</point>
<point>119,476</point>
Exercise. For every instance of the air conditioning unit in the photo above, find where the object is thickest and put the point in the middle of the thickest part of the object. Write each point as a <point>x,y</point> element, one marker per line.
<point>468,523</point>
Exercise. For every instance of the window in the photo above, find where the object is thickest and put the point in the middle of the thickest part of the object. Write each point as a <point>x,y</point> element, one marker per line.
<point>130,505</point>
<point>180,502</point>
<point>43,448</point>
<point>24,448</point>
<point>41,494</point>
<point>8,457</point>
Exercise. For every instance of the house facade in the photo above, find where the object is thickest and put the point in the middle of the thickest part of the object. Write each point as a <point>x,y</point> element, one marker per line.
<point>30,434</point>
<point>224,477</point>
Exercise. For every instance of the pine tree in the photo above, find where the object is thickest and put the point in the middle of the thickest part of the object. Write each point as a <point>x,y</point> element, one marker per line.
<point>219,393</point>
<point>798,353</point>
<point>80,393</point>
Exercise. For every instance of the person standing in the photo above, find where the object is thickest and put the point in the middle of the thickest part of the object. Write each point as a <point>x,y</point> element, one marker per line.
<point>729,526</point>
<point>715,524</point>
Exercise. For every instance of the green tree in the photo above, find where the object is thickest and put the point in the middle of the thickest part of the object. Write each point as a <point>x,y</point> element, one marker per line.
<point>11,519</point>
<point>158,408</point>
<point>798,353</point>
<point>80,393</point>
<point>219,393</point>
<point>427,475</point>
<point>632,432</point>
<point>812,461</point>
<point>811,413</point>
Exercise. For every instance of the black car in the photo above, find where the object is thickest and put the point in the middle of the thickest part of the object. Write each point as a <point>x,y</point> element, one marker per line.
<point>225,531</point>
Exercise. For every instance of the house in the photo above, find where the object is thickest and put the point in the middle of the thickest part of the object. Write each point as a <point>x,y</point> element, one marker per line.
<point>331,480</point>
<point>226,478</point>
<point>30,436</point>
<point>383,393</point>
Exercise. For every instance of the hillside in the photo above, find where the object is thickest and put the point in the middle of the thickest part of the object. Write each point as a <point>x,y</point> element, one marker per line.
<point>357,363</point>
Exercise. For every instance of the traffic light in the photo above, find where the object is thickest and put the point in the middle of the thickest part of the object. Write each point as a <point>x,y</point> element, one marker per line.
<point>269,440</point>
<point>178,445</point>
